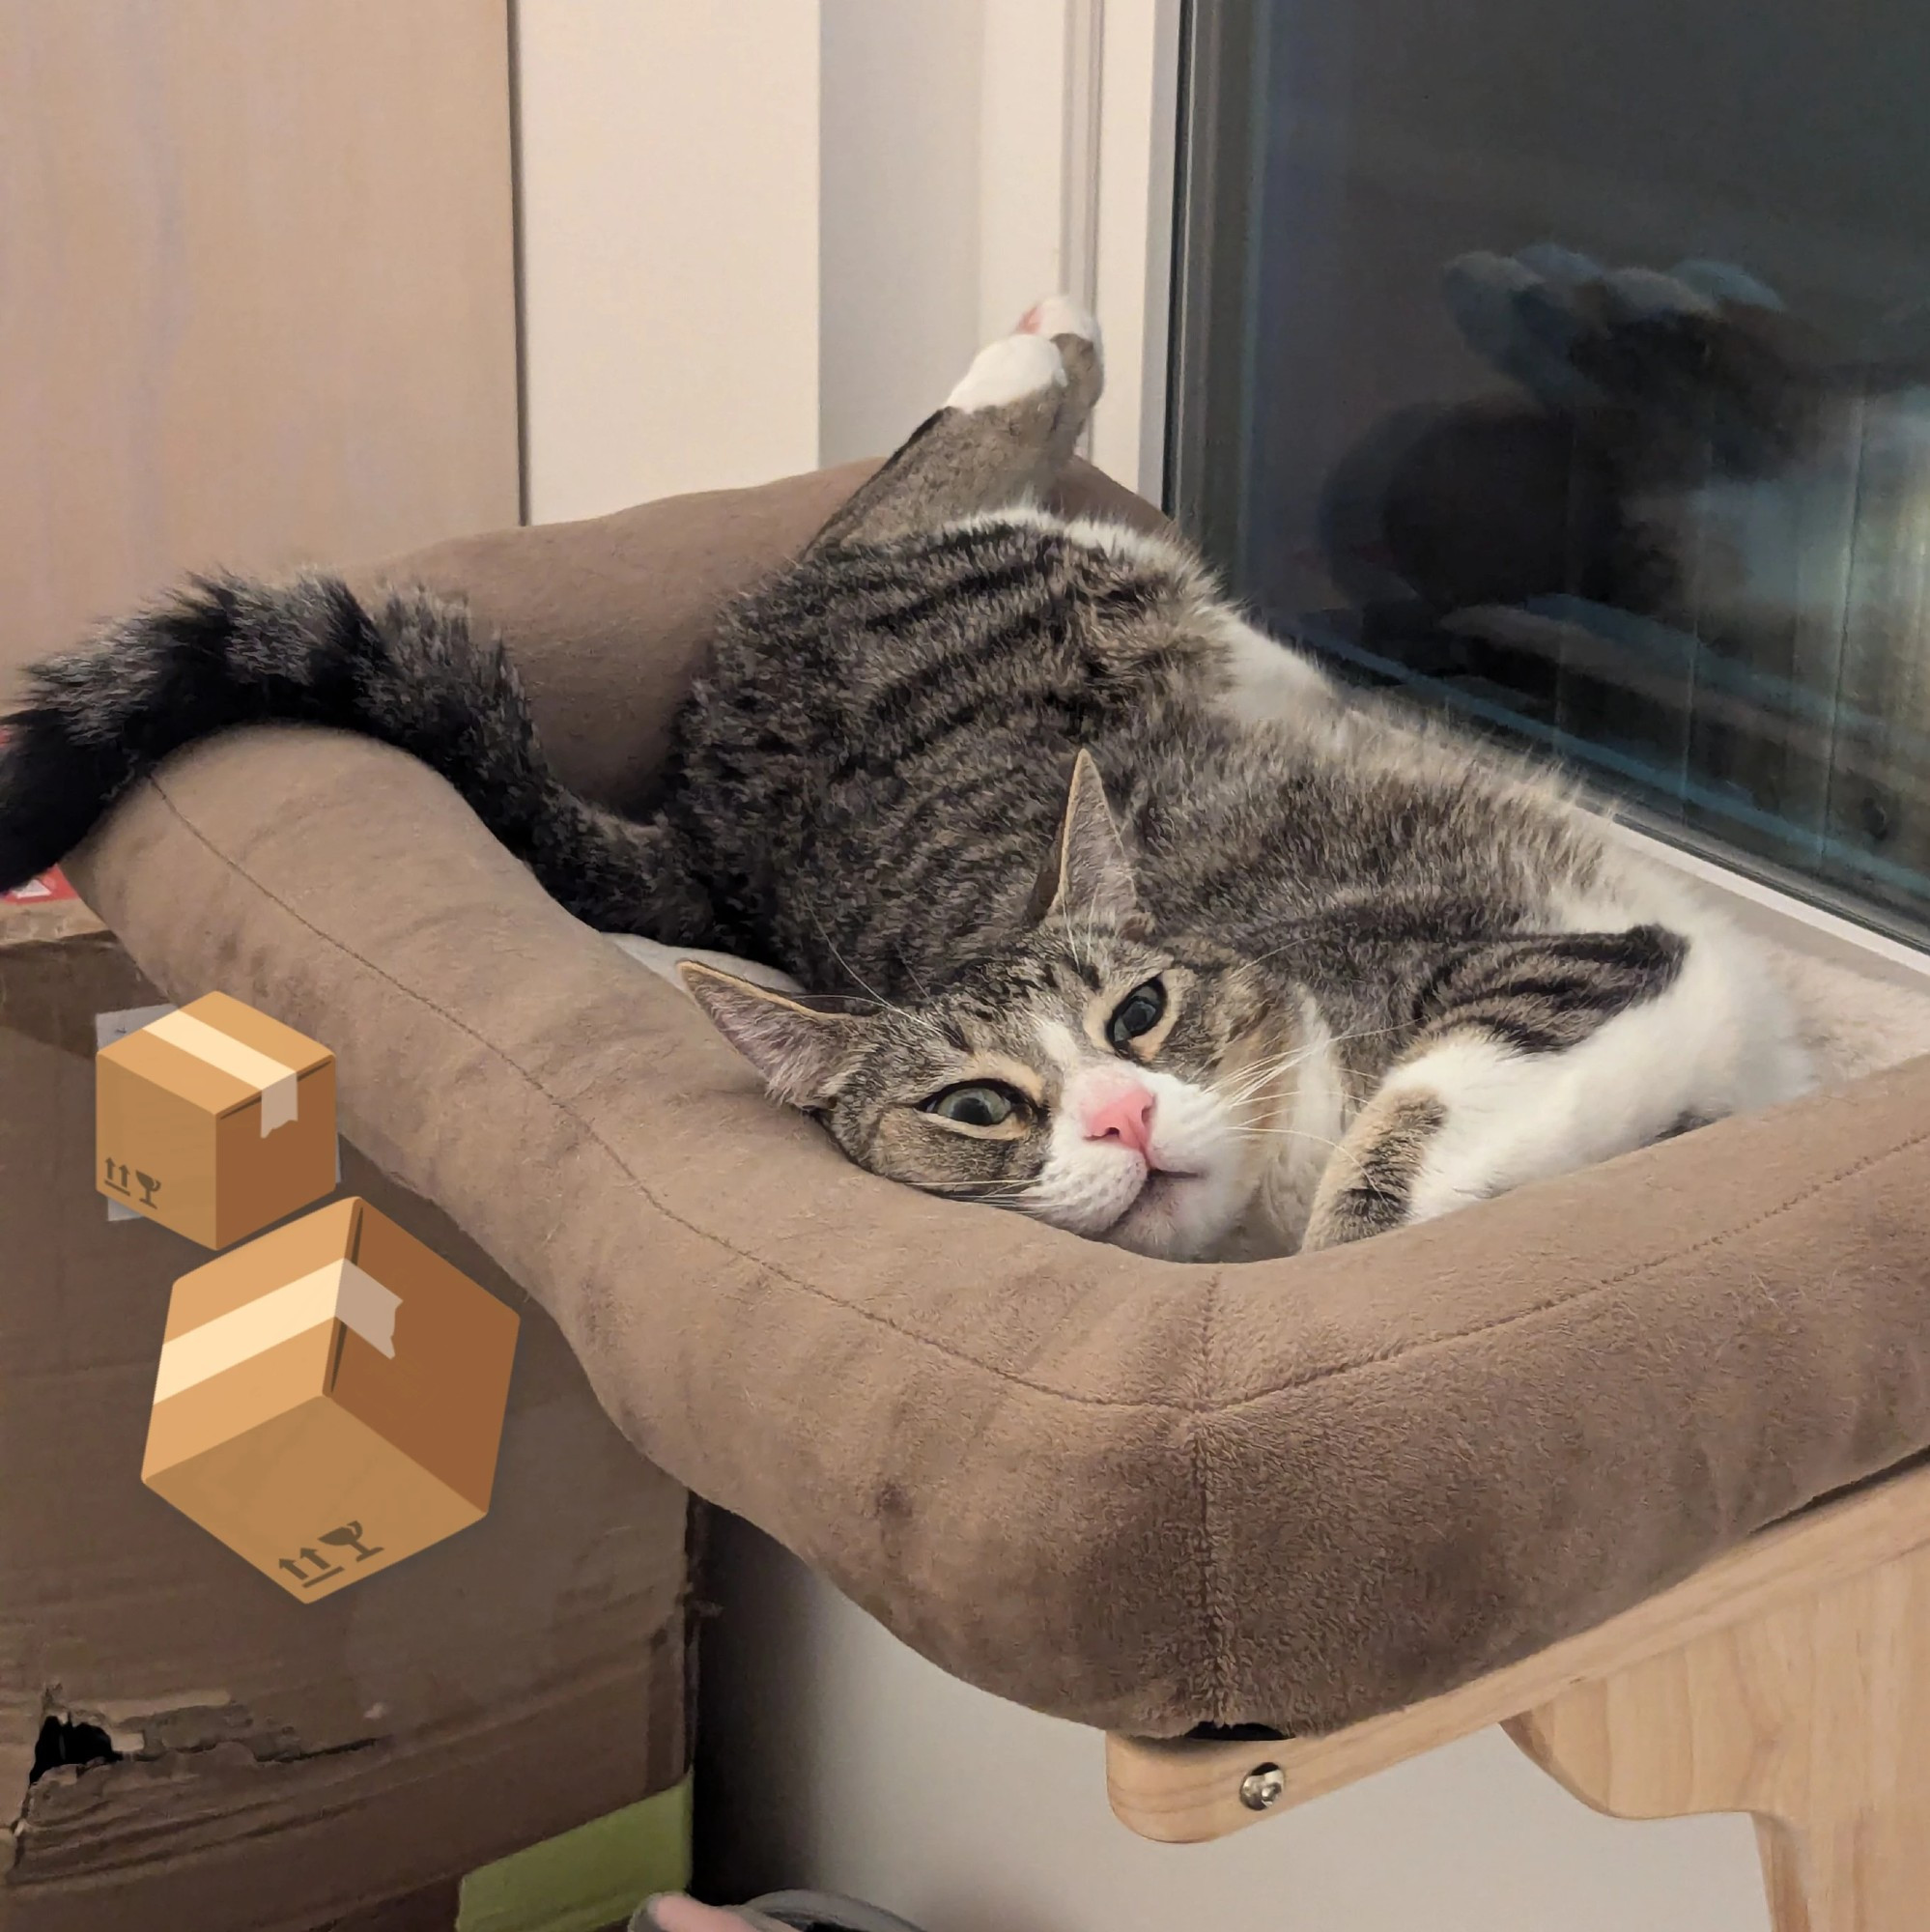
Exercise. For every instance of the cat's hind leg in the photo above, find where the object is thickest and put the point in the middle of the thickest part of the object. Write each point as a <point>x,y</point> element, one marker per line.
<point>1000,439</point>
<point>1545,1054</point>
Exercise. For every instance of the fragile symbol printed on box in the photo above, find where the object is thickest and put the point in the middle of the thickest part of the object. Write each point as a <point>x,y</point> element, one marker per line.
<point>349,1536</point>
<point>116,1177</point>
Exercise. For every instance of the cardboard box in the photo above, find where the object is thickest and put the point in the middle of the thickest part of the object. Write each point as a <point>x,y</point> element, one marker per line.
<point>329,1399</point>
<point>215,1120</point>
<point>182,1747</point>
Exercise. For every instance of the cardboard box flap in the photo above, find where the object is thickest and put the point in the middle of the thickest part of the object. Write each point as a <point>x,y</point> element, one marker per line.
<point>45,921</point>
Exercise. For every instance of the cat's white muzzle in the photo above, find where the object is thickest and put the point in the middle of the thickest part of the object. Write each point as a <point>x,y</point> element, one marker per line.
<point>1175,1200</point>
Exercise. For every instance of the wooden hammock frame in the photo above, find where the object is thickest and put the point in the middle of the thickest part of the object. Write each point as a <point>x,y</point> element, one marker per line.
<point>1788,1679</point>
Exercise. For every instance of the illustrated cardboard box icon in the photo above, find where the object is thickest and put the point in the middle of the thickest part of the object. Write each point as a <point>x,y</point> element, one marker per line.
<point>329,1399</point>
<point>215,1120</point>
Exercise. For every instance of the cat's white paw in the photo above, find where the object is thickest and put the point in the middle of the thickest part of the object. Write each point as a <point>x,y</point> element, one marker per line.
<point>1004,372</point>
<point>1061,315</point>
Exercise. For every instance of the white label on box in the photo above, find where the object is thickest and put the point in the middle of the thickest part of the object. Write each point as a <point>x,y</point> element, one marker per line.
<point>110,1027</point>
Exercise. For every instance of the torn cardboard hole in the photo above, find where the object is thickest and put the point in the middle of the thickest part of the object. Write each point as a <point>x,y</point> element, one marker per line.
<point>70,1741</point>
<point>78,1742</point>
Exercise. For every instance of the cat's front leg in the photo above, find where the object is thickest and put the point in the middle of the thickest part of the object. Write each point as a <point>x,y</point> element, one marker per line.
<point>1543,1054</point>
<point>1370,1185</point>
<point>1465,1118</point>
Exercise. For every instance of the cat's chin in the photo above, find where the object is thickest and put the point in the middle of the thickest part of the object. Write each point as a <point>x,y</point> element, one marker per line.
<point>1252,1239</point>
<point>1177,1217</point>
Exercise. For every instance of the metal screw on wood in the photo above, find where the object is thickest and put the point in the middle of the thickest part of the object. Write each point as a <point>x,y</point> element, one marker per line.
<point>1263,1787</point>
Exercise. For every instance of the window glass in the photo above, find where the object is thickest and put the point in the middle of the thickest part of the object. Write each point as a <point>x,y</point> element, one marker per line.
<point>1568,366</point>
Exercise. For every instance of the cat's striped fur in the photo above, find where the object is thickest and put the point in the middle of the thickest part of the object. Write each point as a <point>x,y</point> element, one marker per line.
<point>1391,974</point>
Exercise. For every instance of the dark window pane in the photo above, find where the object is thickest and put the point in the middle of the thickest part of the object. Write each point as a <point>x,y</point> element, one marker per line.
<point>1570,366</point>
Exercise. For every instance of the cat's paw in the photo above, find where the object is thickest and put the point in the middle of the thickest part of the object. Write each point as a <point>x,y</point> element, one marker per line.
<point>1007,371</point>
<point>1061,315</point>
<point>1059,319</point>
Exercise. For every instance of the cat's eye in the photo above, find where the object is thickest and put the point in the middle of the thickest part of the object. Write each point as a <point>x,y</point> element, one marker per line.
<point>1139,1012</point>
<point>984,1103</point>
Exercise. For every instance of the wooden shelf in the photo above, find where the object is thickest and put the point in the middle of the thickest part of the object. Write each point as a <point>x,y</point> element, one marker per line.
<point>1788,1679</point>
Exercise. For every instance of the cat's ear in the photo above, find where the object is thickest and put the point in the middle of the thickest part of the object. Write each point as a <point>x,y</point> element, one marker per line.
<point>1086,876</point>
<point>796,1043</point>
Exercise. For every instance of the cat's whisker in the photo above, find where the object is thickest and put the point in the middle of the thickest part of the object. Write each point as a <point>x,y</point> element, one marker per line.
<point>1286,1056</point>
<point>1337,1146</point>
<point>1253,1080</point>
<point>870,991</point>
<point>962,1193</point>
<point>1291,1133</point>
<point>916,980</point>
<point>1365,1033</point>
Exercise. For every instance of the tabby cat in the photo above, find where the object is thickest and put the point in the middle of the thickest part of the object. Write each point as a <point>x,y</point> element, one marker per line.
<point>1294,971</point>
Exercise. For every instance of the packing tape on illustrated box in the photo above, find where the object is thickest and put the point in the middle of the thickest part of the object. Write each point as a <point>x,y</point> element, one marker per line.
<point>110,1027</point>
<point>237,1059</point>
<point>337,1291</point>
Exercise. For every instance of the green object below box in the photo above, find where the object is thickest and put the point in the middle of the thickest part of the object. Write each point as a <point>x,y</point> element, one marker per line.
<point>586,1879</point>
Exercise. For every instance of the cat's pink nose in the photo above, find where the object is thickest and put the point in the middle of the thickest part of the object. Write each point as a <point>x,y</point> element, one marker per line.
<point>1122,1114</point>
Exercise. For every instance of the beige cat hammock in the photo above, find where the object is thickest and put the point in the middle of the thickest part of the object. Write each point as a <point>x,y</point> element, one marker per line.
<point>1517,1465</point>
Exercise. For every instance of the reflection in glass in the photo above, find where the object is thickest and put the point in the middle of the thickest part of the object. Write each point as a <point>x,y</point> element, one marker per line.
<point>1570,368</point>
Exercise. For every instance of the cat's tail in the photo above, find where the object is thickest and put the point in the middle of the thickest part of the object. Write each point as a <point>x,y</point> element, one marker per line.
<point>411,672</point>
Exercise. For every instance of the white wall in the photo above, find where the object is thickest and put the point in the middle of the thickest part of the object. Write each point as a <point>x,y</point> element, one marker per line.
<point>832,1755</point>
<point>955,195</point>
<point>761,234</point>
<point>669,205</point>
<point>899,236</point>
<point>978,155</point>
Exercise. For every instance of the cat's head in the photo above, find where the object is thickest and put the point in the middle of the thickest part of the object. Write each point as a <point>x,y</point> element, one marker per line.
<point>1096,1075</point>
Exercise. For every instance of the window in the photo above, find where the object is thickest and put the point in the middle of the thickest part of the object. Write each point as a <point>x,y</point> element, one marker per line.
<point>1568,366</point>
